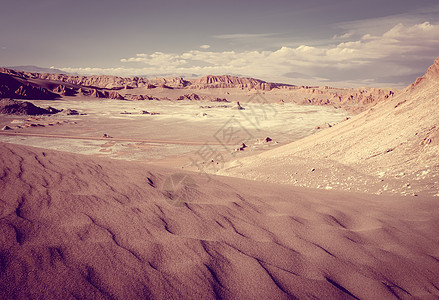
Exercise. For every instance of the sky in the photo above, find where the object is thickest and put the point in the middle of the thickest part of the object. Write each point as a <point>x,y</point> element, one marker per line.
<point>347,43</point>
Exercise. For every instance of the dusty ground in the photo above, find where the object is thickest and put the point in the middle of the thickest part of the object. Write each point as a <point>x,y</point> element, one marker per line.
<point>174,136</point>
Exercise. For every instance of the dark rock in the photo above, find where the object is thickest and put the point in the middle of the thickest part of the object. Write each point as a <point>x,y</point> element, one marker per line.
<point>13,107</point>
<point>10,87</point>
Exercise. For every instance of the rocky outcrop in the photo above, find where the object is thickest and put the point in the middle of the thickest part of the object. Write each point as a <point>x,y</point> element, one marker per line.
<point>137,97</point>
<point>354,100</point>
<point>431,76</point>
<point>433,71</point>
<point>227,81</point>
<point>171,82</point>
<point>140,97</point>
<point>192,97</point>
<point>70,112</point>
<point>216,99</point>
<point>108,82</point>
<point>64,91</point>
<point>102,94</point>
<point>13,107</point>
<point>238,106</point>
<point>100,82</point>
<point>11,87</point>
<point>113,95</point>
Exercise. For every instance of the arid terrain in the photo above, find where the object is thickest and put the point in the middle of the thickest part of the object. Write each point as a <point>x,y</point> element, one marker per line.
<point>217,187</point>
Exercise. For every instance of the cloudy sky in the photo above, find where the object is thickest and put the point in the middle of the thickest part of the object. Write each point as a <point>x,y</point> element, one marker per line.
<point>340,42</point>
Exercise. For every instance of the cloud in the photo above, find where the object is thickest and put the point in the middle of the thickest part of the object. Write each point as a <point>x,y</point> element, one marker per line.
<point>205,46</point>
<point>377,26</point>
<point>156,59</point>
<point>342,36</point>
<point>401,51</point>
<point>235,36</point>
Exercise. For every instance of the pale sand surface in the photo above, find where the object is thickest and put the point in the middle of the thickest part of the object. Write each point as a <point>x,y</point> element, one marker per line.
<point>180,128</point>
<point>79,227</point>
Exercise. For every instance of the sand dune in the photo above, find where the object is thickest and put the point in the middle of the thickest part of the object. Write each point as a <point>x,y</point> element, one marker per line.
<point>73,227</point>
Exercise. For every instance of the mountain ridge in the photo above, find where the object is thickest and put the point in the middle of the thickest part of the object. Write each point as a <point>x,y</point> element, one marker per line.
<point>36,69</point>
<point>106,86</point>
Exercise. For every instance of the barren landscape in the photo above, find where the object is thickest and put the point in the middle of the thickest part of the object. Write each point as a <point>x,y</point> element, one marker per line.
<point>219,149</point>
<point>128,188</point>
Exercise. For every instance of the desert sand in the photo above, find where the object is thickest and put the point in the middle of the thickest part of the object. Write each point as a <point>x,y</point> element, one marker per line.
<point>332,203</point>
<point>72,227</point>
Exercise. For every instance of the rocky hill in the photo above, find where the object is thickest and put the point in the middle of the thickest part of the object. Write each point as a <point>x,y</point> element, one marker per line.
<point>11,87</point>
<point>36,69</point>
<point>354,100</point>
<point>35,86</point>
<point>101,81</point>
<point>13,107</point>
<point>226,81</point>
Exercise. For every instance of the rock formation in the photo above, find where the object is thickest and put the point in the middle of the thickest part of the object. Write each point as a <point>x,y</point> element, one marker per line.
<point>227,81</point>
<point>113,95</point>
<point>432,75</point>
<point>191,96</point>
<point>238,106</point>
<point>64,91</point>
<point>355,100</point>
<point>13,107</point>
<point>11,87</point>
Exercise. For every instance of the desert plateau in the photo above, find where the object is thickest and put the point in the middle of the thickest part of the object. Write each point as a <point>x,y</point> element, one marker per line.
<point>170,175</point>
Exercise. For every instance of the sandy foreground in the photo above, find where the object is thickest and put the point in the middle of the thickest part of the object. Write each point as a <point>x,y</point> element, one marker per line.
<point>74,226</point>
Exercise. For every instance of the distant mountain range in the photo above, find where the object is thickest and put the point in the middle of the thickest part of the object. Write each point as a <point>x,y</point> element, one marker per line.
<point>35,69</point>
<point>43,85</point>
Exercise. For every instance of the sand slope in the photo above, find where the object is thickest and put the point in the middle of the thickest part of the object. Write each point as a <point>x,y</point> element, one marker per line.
<point>397,139</point>
<point>76,227</point>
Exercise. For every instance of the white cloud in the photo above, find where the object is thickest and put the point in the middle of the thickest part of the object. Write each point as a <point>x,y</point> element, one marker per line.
<point>342,36</point>
<point>243,35</point>
<point>396,52</point>
<point>205,46</point>
<point>377,26</point>
<point>156,59</point>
